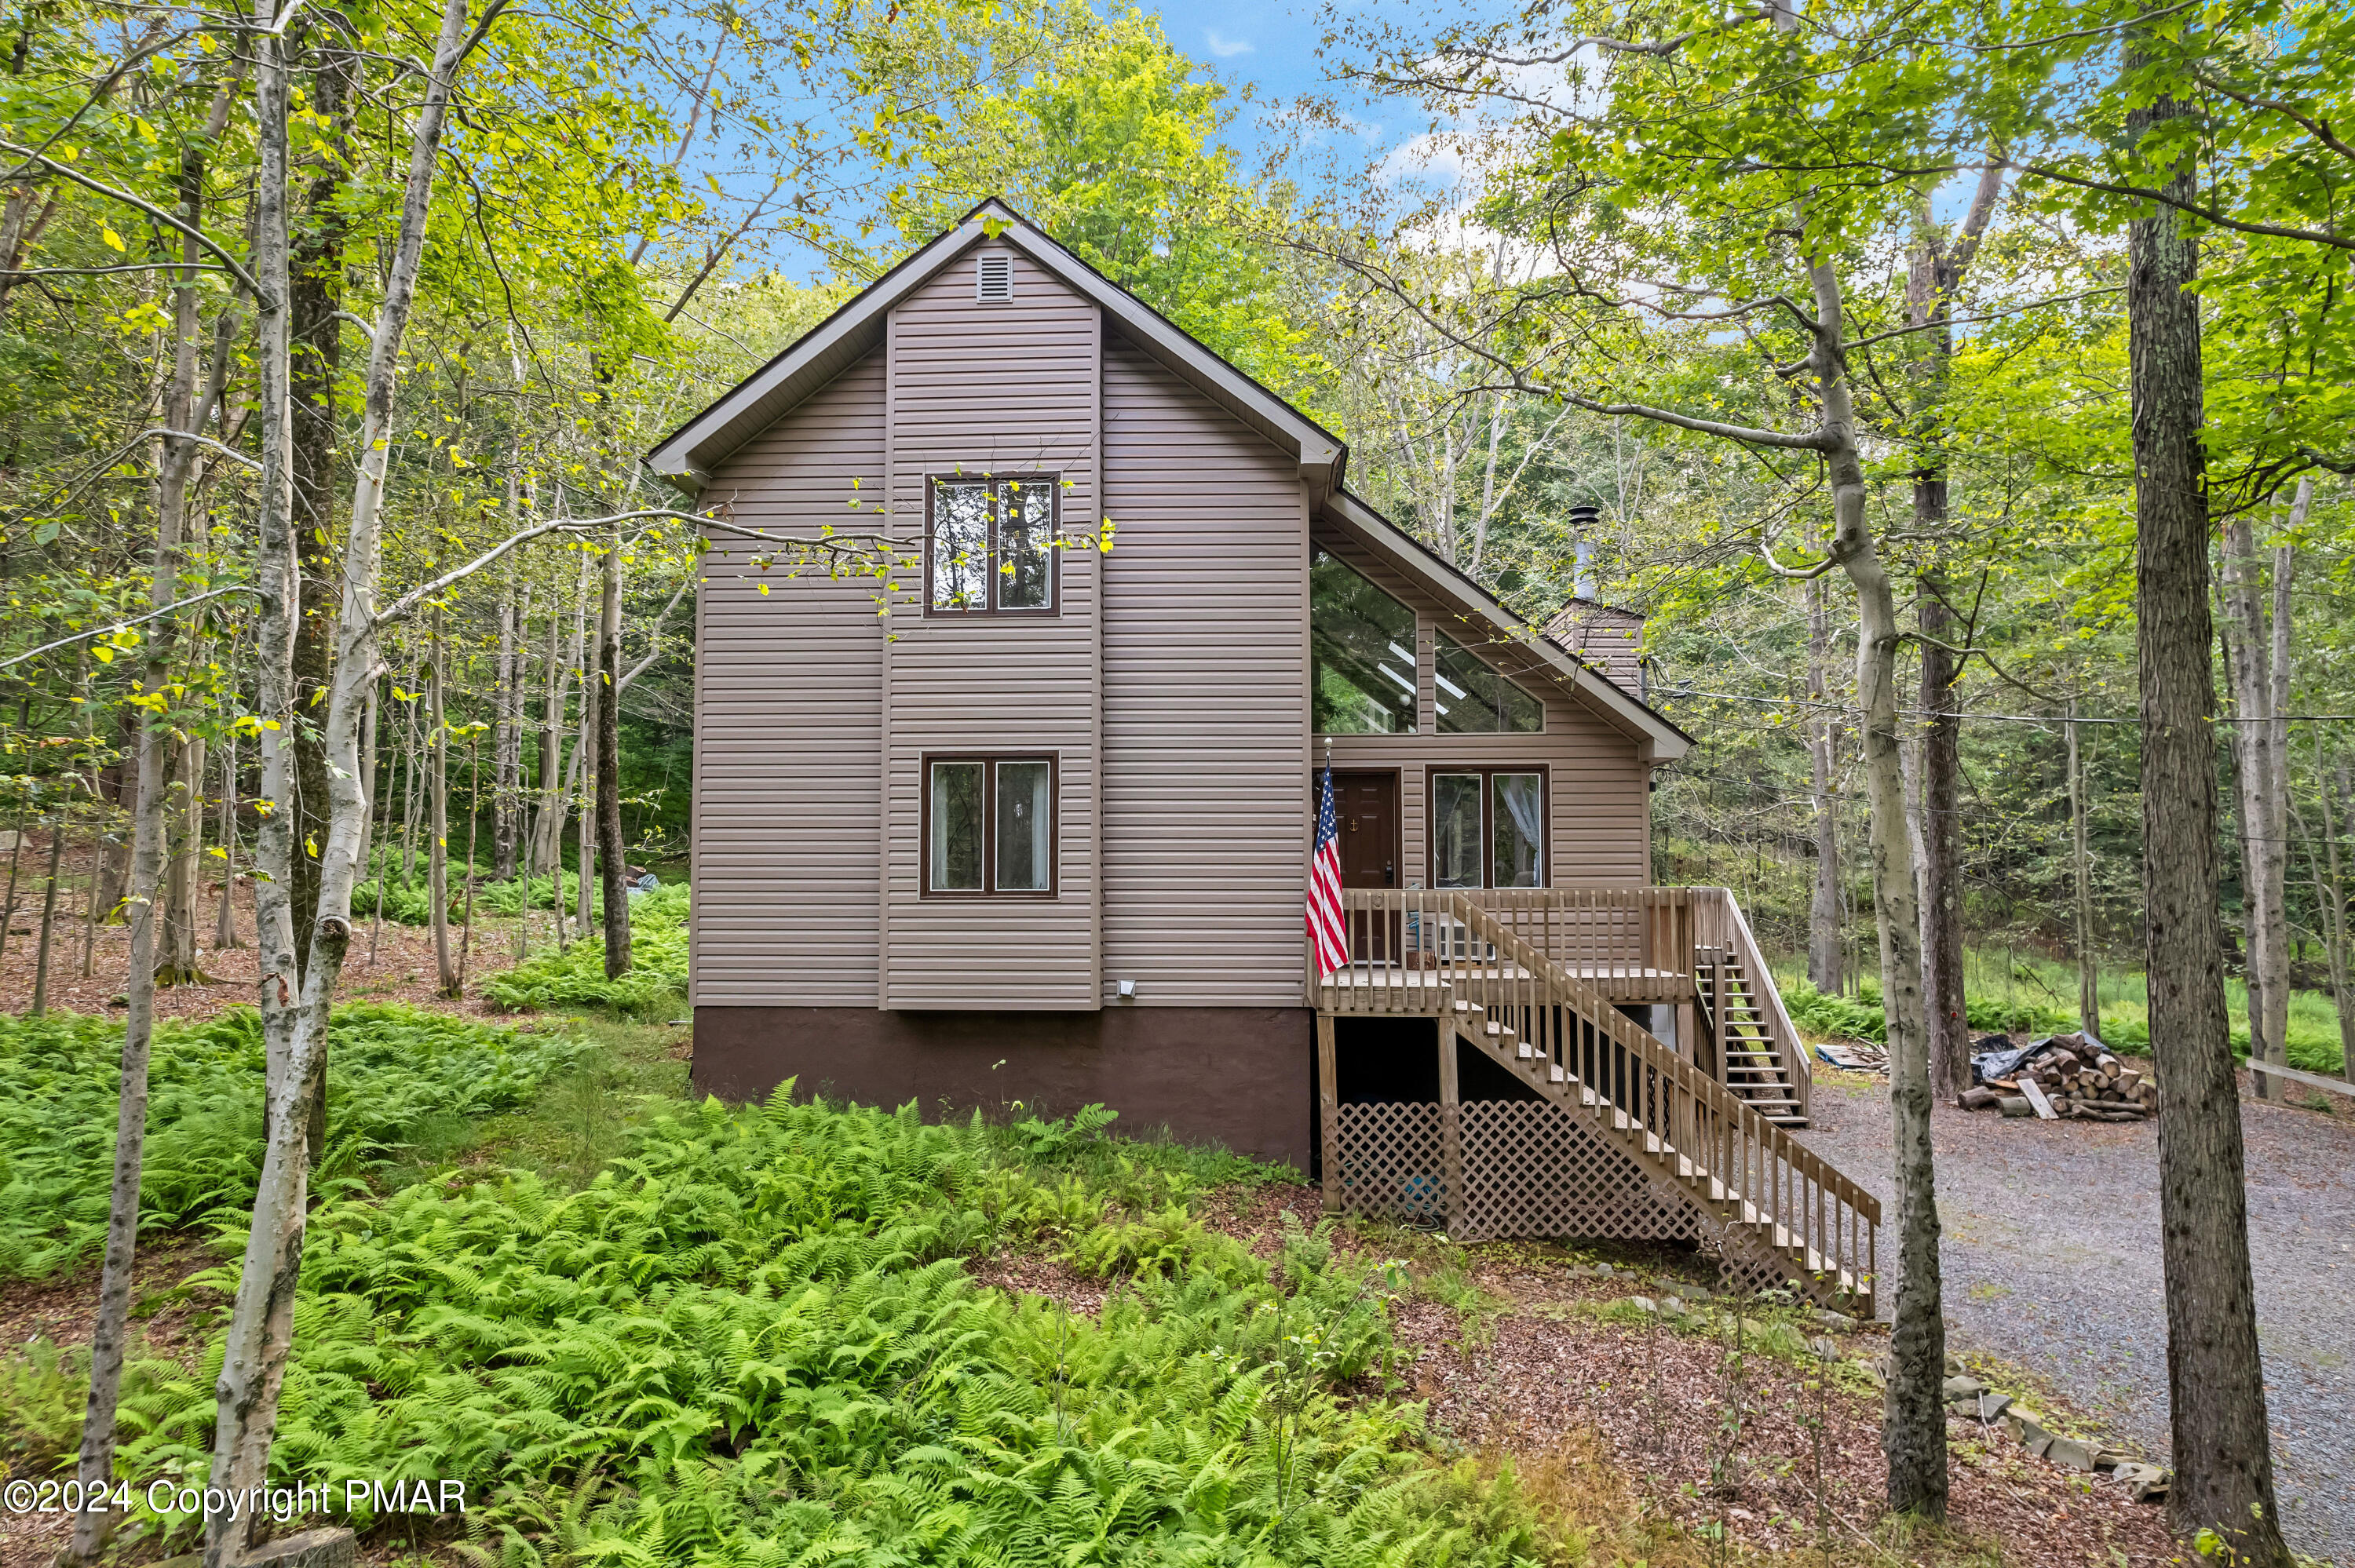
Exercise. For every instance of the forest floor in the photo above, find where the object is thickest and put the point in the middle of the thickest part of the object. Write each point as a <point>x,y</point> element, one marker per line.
<point>388,961</point>
<point>2051,1258</point>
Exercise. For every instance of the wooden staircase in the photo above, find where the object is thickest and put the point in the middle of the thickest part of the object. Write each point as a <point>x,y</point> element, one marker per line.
<point>1733,1020</point>
<point>1779,1213</point>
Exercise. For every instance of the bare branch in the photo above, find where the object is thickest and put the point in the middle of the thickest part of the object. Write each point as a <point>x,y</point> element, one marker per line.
<point>2205,214</point>
<point>103,271</point>
<point>67,172</point>
<point>175,607</point>
<point>1796,574</point>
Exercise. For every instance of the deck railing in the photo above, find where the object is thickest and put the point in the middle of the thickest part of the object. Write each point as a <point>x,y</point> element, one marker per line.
<point>1671,1113</point>
<point>1632,944</point>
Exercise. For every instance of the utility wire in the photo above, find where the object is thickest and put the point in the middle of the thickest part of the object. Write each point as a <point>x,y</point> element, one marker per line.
<point>1994,718</point>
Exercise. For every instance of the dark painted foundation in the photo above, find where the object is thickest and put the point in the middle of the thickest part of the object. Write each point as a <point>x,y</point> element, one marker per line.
<point>1241,1077</point>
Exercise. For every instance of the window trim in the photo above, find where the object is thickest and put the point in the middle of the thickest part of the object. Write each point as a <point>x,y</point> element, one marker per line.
<point>989,761</point>
<point>1420,635</point>
<point>1054,486</point>
<point>1438,635</point>
<point>1487,771</point>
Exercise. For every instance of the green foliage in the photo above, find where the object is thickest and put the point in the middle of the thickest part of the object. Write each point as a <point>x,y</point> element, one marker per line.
<point>402,902</point>
<point>1859,1017</point>
<point>1165,1245</point>
<point>1115,150</point>
<point>395,1073</point>
<point>748,1342</point>
<point>1053,1140</point>
<point>42,1391</point>
<point>575,976</point>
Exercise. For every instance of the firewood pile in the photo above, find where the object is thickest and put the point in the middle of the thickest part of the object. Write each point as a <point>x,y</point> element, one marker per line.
<point>2066,1078</point>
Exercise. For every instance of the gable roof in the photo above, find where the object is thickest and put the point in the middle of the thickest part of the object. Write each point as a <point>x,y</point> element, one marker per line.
<point>688,456</point>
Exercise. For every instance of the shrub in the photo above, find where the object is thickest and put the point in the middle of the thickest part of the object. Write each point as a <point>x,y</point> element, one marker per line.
<point>575,976</point>
<point>391,1070</point>
<point>1859,1017</point>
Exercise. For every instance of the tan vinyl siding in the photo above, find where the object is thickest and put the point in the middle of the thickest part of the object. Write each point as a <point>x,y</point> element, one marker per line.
<point>1006,389</point>
<point>1206,693</point>
<point>1598,791</point>
<point>788,723</point>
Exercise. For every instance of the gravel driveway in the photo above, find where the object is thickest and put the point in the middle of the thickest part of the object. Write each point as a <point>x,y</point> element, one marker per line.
<point>2052,1257</point>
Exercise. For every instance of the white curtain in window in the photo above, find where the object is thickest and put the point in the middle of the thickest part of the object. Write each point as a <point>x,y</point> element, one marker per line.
<point>1025,827</point>
<point>1519,849</point>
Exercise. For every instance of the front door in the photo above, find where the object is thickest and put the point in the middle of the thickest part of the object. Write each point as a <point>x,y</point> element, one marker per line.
<point>1366,811</point>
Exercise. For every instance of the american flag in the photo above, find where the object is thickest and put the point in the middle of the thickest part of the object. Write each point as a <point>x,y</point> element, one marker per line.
<point>1328,931</point>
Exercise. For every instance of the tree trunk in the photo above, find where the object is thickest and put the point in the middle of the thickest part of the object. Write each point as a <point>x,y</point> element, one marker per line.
<point>180,878</point>
<point>549,840</point>
<point>506,747</point>
<point>15,851</point>
<point>113,877</point>
<point>110,1331</point>
<point>1942,857</point>
<point>1932,282</point>
<point>316,292</point>
<point>1914,1428</point>
<point>437,838</point>
<point>367,780</point>
<point>259,1334</point>
<point>2264,867</point>
<point>609,756</point>
<point>225,919</point>
<point>2223,1461</point>
<point>2081,865</point>
<point>2334,902</point>
<point>48,910</point>
<point>583,772</point>
<point>474,837</point>
<point>1825,950</point>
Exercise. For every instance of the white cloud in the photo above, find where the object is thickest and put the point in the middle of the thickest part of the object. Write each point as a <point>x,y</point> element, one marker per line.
<point>1226,48</point>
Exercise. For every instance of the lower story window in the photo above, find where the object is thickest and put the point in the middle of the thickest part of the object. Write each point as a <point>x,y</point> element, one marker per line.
<point>1487,828</point>
<point>989,825</point>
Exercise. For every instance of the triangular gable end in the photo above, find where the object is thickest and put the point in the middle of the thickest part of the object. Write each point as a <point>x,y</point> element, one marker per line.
<point>689,455</point>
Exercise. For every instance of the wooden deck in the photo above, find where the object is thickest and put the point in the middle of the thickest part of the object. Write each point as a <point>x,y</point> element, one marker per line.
<point>1682,1127</point>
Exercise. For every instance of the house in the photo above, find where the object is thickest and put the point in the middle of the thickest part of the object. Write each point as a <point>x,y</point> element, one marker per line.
<point>1031,822</point>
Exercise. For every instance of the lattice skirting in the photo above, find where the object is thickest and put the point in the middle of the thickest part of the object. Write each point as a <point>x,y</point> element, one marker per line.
<point>1389,1162</point>
<point>1530,1169</point>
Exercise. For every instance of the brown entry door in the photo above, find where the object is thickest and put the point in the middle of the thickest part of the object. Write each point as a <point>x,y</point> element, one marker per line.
<point>1365,810</point>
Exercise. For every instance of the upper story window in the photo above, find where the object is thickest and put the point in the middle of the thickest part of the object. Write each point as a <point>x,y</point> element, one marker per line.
<point>1362,654</point>
<point>1472,699</point>
<point>989,825</point>
<point>991,549</point>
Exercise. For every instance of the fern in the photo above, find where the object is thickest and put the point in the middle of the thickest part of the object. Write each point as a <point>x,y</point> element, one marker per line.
<point>391,1069</point>
<point>575,976</point>
<point>752,1339</point>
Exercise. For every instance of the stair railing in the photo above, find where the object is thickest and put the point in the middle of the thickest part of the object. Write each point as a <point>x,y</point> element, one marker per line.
<point>1720,924</point>
<point>1780,1192</point>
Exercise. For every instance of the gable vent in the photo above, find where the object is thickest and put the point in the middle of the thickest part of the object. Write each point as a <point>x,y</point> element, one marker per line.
<point>993,278</point>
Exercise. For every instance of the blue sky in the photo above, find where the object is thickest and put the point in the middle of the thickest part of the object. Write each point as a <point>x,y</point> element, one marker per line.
<point>1272,47</point>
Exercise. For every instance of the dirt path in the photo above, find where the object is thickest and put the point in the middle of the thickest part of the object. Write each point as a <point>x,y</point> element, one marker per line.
<point>2052,1257</point>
